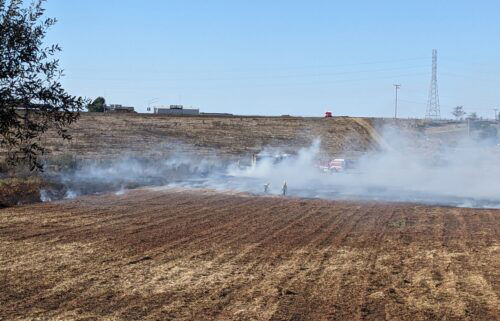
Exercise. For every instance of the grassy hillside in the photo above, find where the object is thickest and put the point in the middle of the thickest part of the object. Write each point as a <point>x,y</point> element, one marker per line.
<point>108,135</point>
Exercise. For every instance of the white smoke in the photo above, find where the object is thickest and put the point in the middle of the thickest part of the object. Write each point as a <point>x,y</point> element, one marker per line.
<point>44,196</point>
<point>127,172</point>
<point>411,169</point>
<point>465,174</point>
<point>70,194</point>
<point>121,191</point>
<point>299,170</point>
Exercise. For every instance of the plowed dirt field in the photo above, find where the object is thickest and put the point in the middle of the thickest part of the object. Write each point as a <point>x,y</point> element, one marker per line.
<point>201,255</point>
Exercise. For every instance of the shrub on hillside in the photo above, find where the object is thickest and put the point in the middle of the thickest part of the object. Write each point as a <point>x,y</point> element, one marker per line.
<point>16,191</point>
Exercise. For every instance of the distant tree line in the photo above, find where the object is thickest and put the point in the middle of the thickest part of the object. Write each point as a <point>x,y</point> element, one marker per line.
<point>459,113</point>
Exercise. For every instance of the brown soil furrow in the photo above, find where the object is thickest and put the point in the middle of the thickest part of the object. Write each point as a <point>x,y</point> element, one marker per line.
<point>369,308</point>
<point>249,261</point>
<point>332,243</point>
<point>201,255</point>
<point>208,233</point>
<point>246,261</point>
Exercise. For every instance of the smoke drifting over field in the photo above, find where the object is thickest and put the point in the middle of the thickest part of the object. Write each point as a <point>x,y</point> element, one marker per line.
<point>466,174</point>
<point>463,175</point>
<point>90,177</point>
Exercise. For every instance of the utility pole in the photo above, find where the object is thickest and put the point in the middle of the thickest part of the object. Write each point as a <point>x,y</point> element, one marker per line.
<point>396,101</point>
<point>495,109</point>
<point>150,102</point>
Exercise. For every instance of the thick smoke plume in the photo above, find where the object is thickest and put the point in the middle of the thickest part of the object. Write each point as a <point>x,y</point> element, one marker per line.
<point>411,169</point>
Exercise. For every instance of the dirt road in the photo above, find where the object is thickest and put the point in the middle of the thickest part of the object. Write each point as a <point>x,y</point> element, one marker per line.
<point>177,255</point>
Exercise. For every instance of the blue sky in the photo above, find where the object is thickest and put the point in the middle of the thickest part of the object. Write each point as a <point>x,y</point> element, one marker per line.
<point>281,57</point>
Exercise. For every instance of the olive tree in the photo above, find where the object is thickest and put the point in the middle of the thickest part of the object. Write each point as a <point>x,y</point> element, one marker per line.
<point>32,99</point>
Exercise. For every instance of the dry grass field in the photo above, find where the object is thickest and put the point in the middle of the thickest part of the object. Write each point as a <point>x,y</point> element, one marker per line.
<point>109,135</point>
<point>172,254</point>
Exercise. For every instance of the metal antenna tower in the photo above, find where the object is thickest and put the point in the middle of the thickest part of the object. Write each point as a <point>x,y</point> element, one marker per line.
<point>433,110</point>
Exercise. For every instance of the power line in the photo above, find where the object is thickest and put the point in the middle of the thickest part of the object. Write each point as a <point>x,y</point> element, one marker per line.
<point>250,77</point>
<point>474,78</point>
<point>260,68</point>
<point>135,86</point>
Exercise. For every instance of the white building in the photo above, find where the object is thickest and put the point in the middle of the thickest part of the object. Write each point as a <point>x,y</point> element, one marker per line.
<point>175,110</point>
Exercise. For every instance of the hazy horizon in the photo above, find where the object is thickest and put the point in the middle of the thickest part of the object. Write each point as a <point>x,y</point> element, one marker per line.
<point>283,57</point>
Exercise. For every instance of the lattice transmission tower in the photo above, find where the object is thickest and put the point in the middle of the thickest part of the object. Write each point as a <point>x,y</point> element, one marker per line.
<point>433,110</point>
